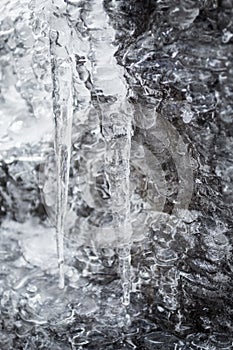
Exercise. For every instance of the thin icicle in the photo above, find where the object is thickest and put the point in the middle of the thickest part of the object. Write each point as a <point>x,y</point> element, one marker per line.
<point>61,63</point>
<point>117,133</point>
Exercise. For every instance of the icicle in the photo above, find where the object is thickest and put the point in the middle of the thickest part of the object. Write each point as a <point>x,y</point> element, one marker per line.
<point>117,132</point>
<point>108,80</point>
<point>116,115</point>
<point>61,63</point>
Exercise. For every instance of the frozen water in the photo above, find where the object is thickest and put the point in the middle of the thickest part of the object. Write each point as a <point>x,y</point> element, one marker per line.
<point>138,97</point>
<point>62,77</point>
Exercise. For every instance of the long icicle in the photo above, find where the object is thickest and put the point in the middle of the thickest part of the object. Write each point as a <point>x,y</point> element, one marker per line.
<point>108,78</point>
<point>61,63</point>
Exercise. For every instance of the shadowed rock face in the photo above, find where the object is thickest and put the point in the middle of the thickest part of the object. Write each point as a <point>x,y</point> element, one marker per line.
<point>177,57</point>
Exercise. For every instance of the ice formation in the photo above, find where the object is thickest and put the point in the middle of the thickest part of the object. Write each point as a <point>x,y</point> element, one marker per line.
<point>116,129</point>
